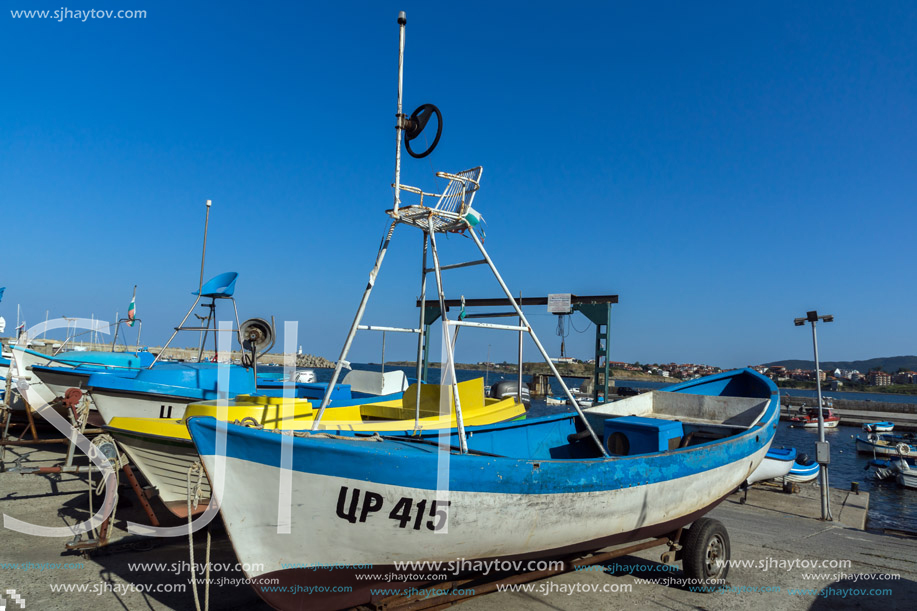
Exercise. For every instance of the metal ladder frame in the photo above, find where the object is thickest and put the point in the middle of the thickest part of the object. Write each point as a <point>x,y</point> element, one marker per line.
<point>524,326</point>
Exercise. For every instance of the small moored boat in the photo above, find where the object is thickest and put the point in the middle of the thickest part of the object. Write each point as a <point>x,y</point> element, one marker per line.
<point>886,444</point>
<point>808,418</point>
<point>804,469</point>
<point>777,463</point>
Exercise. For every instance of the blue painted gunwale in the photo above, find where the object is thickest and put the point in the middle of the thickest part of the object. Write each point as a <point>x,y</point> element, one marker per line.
<point>97,358</point>
<point>85,370</point>
<point>198,382</point>
<point>194,381</point>
<point>522,468</point>
<point>782,454</point>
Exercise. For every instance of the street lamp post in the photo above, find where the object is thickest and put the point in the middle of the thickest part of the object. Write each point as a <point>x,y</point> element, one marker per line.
<point>822,448</point>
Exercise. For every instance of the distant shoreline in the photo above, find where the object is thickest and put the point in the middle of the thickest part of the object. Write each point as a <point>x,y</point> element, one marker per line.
<point>573,370</point>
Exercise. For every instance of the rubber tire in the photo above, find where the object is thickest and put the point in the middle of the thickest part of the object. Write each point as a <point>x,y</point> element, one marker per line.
<point>700,536</point>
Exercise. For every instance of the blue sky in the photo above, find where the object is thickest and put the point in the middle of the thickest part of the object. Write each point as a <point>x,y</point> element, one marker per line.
<point>722,167</point>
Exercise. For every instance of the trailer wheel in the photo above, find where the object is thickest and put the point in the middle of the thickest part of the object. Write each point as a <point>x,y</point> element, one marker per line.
<point>705,556</point>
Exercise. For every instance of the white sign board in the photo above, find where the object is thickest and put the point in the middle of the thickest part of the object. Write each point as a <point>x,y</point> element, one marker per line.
<point>559,303</point>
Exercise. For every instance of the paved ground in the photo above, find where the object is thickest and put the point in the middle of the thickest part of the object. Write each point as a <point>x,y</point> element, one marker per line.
<point>772,530</point>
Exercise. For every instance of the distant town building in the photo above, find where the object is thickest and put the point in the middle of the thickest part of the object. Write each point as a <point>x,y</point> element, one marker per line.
<point>878,378</point>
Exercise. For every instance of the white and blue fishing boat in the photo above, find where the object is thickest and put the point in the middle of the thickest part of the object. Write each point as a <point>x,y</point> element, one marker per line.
<point>879,427</point>
<point>49,376</point>
<point>351,506</point>
<point>896,469</point>
<point>62,372</point>
<point>886,444</point>
<point>156,389</point>
<point>530,489</point>
<point>804,469</point>
<point>778,462</point>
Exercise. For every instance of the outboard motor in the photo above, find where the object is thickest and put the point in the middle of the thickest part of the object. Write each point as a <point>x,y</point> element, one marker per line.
<point>508,388</point>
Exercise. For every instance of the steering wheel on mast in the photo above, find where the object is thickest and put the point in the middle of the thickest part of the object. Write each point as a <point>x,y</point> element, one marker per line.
<point>415,124</point>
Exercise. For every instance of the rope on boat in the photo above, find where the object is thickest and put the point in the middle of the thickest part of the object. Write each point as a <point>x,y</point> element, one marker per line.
<point>194,497</point>
<point>116,464</point>
<point>322,435</point>
<point>249,422</point>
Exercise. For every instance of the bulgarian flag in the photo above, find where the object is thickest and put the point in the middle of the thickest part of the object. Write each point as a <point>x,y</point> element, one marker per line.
<point>132,308</point>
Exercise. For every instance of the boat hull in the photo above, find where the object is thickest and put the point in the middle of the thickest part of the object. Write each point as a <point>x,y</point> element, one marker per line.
<point>164,452</point>
<point>113,404</point>
<point>813,424</point>
<point>21,369</point>
<point>477,530</point>
<point>908,479</point>
<point>774,465</point>
<point>374,502</point>
<point>803,473</point>
<point>880,448</point>
<point>165,463</point>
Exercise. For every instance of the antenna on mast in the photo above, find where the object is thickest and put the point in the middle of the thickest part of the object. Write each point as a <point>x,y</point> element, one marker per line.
<point>411,126</point>
<point>399,116</point>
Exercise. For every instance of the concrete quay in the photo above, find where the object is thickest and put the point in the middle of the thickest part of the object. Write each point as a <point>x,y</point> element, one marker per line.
<point>771,534</point>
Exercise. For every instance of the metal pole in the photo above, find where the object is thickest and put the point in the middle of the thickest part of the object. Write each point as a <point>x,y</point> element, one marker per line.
<point>199,289</point>
<point>117,327</point>
<point>204,251</point>
<point>356,323</point>
<point>450,355</point>
<point>544,353</point>
<point>519,387</point>
<point>423,330</point>
<point>825,493</point>
<point>399,117</point>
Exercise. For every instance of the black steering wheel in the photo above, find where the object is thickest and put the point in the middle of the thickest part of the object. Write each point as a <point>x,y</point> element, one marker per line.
<point>416,124</point>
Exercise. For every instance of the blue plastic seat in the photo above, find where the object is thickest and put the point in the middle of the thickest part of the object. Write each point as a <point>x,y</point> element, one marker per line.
<point>218,287</point>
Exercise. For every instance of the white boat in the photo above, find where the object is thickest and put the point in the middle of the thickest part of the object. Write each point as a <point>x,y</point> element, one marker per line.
<point>879,427</point>
<point>808,418</point>
<point>21,362</point>
<point>907,475</point>
<point>886,444</point>
<point>529,489</point>
<point>897,469</point>
<point>777,463</point>
<point>804,469</point>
